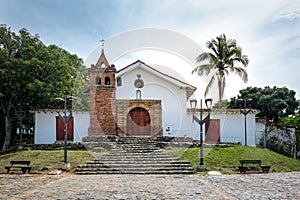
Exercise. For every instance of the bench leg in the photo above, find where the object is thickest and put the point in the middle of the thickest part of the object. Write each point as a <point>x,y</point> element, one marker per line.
<point>267,169</point>
<point>242,170</point>
<point>7,169</point>
<point>24,169</point>
<point>28,169</point>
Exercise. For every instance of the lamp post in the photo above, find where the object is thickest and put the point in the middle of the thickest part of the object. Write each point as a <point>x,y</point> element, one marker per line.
<point>65,118</point>
<point>201,121</point>
<point>245,112</point>
<point>21,114</point>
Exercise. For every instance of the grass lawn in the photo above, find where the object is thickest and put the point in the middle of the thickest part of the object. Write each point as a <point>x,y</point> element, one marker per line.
<point>46,159</point>
<point>226,159</point>
<point>223,159</point>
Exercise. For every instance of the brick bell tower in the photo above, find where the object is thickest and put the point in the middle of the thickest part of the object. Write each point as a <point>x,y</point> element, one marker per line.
<point>102,98</point>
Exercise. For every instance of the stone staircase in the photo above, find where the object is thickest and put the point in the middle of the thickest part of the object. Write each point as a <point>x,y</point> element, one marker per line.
<point>135,155</point>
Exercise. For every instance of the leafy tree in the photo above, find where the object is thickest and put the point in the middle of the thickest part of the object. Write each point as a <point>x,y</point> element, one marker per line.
<point>222,60</point>
<point>33,73</point>
<point>293,120</point>
<point>272,102</point>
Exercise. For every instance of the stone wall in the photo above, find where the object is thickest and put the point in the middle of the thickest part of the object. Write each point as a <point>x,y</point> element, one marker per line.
<point>152,106</point>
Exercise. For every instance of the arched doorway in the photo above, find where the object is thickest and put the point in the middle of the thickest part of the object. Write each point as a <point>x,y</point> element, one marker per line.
<point>138,122</point>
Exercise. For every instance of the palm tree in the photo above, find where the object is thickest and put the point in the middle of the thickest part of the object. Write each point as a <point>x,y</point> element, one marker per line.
<point>225,54</point>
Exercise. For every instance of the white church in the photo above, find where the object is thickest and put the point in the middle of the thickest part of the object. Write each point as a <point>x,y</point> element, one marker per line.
<point>142,101</point>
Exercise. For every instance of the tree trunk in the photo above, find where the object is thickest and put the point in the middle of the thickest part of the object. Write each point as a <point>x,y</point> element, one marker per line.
<point>220,91</point>
<point>8,125</point>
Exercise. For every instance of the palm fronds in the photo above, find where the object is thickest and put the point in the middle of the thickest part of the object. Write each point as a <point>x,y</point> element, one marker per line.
<point>223,58</point>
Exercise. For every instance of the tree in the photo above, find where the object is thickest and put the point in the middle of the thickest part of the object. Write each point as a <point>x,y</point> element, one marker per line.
<point>33,73</point>
<point>272,102</point>
<point>293,120</point>
<point>222,60</point>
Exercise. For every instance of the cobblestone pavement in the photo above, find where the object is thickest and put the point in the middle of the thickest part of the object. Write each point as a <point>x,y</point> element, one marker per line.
<point>238,186</point>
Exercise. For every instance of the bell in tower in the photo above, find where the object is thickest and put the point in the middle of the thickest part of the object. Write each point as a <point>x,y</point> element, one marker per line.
<point>102,97</point>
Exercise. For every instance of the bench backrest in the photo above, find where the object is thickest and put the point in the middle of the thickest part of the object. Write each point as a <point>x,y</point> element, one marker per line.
<point>250,162</point>
<point>20,162</point>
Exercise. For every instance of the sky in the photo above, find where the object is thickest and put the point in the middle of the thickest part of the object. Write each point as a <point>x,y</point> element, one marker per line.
<point>268,31</point>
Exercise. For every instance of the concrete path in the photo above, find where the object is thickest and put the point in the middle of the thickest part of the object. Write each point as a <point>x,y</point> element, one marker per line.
<point>69,186</point>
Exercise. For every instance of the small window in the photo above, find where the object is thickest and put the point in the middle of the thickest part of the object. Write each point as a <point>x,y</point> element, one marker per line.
<point>102,65</point>
<point>138,94</point>
<point>119,81</point>
<point>98,80</point>
<point>107,81</point>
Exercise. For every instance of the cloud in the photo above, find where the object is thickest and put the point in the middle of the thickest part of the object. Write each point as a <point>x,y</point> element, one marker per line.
<point>289,12</point>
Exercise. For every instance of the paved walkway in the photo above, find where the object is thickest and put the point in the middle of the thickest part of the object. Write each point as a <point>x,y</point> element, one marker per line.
<point>249,186</point>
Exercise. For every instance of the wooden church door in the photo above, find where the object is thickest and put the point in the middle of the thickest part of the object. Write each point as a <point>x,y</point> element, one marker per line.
<point>138,122</point>
<point>212,131</point>
<point>60,129</point>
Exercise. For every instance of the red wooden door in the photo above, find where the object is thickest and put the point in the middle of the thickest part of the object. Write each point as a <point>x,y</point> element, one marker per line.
<point>212,131</point>
<point>138,122</point>
<point>60,129</point>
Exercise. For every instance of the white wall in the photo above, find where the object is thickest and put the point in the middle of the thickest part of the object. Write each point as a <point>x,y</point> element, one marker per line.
<point>232,128</point>
<point>45,127</point>
<point>175,120</point>
<point>173,98</point>
<point>260,129</point>
<point>81,125</point>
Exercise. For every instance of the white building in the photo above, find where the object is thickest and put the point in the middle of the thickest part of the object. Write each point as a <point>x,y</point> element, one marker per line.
<point>134,86</point>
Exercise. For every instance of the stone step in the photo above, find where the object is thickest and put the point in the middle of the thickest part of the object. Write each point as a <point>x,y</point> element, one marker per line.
<point>136,150</point>
<point>136,160</point>
<point>134,155</point>
<point>133,164</point>
<point>130,167</point>
<point>135,172</point>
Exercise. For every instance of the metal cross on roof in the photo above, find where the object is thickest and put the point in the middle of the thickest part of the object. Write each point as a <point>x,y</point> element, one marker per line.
<point>102,42</point>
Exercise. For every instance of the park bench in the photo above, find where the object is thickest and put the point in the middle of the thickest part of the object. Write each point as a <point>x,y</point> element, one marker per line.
<point>23,165</point>
<point>252,165</point>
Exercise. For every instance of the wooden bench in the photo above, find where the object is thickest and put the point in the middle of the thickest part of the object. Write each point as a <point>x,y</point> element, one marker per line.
<point>255,164</point>
<point>24,165</point>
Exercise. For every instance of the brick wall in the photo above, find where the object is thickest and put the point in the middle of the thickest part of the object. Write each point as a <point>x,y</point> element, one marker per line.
<point>154,108</point>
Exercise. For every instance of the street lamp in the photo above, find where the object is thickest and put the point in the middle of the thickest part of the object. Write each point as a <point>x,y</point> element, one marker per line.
<point>21,114</point>
<point>201,121</point>
<point>59,102</point>
<point>245,112</point>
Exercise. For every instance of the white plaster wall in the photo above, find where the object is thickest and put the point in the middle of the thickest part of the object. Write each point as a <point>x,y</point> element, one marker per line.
<point>175,120</point>
<point>45,127</point>
<point>232,128</point>
<point>260,129</point>
<point>173,98</point>
<point>81,125</point>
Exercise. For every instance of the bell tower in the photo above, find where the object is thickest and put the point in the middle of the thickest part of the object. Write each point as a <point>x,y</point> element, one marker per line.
<point>102,98</point>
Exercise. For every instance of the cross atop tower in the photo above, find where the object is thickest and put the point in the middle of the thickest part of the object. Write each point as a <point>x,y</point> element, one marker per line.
<point>102,41</point>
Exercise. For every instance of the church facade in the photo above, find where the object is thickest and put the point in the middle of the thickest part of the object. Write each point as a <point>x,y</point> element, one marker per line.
<point>137,100</point>
<point>140,100</point>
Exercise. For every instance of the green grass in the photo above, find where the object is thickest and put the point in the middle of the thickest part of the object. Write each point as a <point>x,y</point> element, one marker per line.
<point>45,158</point>
<point>226,159</point>
<point>223,159</point>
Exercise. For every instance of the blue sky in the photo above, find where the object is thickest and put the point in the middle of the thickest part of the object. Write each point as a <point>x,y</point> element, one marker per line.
<point>268,31</point>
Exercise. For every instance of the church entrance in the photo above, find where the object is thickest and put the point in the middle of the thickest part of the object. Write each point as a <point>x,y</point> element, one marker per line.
<point>138,122</point>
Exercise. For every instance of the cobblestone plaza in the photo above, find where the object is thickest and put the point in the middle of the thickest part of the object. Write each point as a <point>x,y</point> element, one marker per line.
<point>69,186</point>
